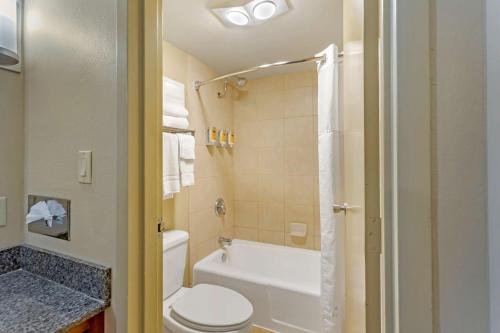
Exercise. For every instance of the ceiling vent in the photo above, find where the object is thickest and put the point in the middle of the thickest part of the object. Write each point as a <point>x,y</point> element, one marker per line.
<point>253,13</point>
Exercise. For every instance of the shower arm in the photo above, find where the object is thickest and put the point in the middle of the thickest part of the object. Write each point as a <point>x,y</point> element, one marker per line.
<point>224,93</point>
<point>199,84</point>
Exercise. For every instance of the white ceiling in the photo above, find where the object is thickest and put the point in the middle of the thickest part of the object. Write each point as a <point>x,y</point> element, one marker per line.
<point>306,29</point>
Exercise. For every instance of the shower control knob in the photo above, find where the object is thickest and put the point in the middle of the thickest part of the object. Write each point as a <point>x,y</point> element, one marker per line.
<point>220,207</point>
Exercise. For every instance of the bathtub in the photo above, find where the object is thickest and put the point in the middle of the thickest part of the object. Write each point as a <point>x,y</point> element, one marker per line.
<point>282,283</point>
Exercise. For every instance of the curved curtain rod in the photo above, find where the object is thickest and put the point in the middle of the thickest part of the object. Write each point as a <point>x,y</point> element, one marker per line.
<point>199,84</point>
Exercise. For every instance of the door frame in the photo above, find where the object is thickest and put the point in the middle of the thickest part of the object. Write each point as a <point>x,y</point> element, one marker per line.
<point>407,283</point>
<point>373,220</point>
<point>144,81</point>
<point>145,155</point>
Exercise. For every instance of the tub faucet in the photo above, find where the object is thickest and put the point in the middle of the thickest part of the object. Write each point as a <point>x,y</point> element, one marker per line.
<point>225,242</point>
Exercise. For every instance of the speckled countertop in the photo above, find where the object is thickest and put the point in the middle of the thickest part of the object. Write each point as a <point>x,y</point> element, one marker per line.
<point>44,292</point>
<point>29,303</point>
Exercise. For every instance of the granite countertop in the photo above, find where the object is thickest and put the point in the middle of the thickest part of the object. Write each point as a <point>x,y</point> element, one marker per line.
<point>44,292</point>
<point>29,303</point>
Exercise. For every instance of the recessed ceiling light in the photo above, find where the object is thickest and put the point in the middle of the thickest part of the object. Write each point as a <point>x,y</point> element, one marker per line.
<point>264,10</point>
<point>252,13</point>
<point>237,17</point>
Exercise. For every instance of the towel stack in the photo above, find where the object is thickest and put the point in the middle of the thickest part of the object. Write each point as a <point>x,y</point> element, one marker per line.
<point>178,163</point>
<point>178,149</point>
<point>174,110</point>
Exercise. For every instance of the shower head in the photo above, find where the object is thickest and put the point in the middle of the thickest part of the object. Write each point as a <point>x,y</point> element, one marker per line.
<point>241,81</point>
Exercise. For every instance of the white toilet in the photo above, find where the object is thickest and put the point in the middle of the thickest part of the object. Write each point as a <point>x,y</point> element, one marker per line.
<point>203,308</point>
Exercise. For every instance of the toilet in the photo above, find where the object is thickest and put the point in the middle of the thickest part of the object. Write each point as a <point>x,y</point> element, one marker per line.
<point>203,308</point>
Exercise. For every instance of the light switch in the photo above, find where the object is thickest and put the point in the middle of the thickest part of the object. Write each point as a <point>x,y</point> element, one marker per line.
<point>85,167</point>
<point>3,211</point>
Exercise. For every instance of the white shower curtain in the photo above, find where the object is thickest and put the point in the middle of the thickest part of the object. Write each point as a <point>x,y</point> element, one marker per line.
<point>332,226</point>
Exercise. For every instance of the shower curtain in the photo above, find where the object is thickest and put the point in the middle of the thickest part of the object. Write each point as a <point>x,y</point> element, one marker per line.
<point>332,225</point>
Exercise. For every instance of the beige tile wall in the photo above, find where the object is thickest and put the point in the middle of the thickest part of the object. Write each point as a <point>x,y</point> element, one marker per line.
<point>268,180</point>
<point>192,209</point>
<point>275,160</point>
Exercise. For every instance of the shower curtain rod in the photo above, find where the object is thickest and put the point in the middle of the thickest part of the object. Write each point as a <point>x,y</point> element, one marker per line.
<point>199,84</point>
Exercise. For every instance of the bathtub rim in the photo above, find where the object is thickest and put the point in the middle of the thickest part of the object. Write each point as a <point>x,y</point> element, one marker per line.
<point>210,265</point>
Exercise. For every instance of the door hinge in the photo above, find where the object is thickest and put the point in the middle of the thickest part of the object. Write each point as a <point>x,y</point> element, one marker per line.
<point>162,225</point>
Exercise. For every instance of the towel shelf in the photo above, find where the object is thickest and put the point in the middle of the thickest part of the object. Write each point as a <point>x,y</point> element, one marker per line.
<point>178,130</point>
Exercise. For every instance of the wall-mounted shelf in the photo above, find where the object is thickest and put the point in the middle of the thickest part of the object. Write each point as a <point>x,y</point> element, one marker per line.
<point>178,130</point>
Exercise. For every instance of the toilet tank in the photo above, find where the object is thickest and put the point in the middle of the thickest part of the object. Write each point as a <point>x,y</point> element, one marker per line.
<point>174,260</point>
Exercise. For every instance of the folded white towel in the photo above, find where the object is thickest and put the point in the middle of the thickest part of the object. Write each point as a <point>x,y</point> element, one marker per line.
<point>175,122</point>
<point>171,176</point>
<point>174,110</point>
<point>173,91</point>
<point>186,146</point>
<point>186,158</point>
<point>187,172</point>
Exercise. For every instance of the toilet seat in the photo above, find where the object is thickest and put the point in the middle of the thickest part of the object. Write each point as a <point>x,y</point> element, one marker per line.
<point>210,308</point>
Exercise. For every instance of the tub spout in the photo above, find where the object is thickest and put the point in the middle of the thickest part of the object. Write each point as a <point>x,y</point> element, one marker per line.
<point>225,242</point>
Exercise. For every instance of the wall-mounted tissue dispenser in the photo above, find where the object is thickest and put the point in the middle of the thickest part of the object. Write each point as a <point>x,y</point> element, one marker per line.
<point>49,216</point>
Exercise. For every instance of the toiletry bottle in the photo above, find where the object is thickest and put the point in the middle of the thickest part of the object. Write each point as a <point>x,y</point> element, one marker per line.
<point>230,138</point>
<point>211,136</point>
<point>222,138</point>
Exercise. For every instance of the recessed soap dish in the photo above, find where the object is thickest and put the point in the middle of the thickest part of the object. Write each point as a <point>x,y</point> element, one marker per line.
<point>298,229</point>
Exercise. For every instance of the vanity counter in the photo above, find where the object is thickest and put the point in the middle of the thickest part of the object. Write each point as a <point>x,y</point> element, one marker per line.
<point>29,303</point>
<point>45,292</point>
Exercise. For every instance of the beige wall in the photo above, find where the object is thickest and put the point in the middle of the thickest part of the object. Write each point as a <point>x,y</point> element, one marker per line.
<point>275,160</point>
<point>354,165</point>
<point>493,124</point>
<point>276,168</point>
<point>352,20</point>
<point>408,213</point>
<point>459,167</point>
<point>353,176</point>
<point>192,209</point>
<point>273,168</point>
<point>440,128</point>
<point>12,155</point>
<point>72,103</point>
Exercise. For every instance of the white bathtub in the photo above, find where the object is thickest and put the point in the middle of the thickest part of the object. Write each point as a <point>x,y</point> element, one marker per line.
<point>282,283</point>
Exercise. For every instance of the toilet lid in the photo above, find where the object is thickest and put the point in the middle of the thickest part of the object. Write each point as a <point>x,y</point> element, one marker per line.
<point>212,308</point>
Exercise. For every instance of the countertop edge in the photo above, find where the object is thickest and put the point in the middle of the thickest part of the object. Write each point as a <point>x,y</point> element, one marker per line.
<point>90,315</point>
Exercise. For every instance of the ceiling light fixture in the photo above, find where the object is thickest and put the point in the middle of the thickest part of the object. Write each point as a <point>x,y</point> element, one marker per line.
<point>252,13</point>
<point>8,33</point>
<point>264,10</point>
<point>237,17</point>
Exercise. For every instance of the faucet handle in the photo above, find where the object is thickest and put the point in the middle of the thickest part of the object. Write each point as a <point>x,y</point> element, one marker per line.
<point>220,207</point>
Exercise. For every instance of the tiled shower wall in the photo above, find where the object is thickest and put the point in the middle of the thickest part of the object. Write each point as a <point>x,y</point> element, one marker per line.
<point>192,209</point>
<point>275,160</point>
<point>269,179</point>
